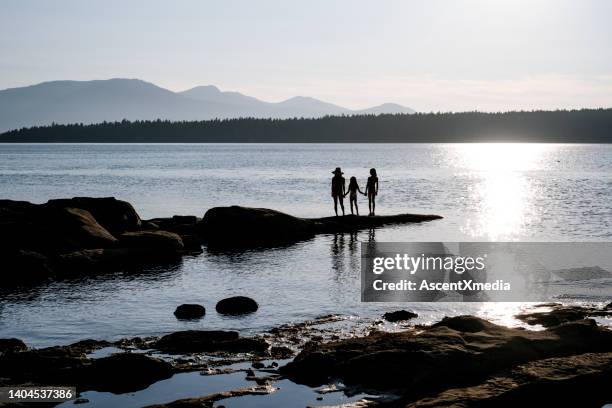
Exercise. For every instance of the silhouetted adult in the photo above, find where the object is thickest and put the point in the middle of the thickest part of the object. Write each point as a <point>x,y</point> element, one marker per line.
<point>338,187</point>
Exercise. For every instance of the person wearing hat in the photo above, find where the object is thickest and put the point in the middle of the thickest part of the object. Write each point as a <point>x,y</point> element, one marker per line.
<point>338,189</point>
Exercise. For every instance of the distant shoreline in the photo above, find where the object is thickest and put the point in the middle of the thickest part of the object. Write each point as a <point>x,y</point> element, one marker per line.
<point>575,126</point>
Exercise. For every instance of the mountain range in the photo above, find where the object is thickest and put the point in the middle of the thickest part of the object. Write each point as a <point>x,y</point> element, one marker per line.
<point>133,99</point>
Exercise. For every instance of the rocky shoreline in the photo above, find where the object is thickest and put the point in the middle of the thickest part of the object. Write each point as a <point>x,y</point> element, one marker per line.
<point>82,236</point>
<point>461,361</point>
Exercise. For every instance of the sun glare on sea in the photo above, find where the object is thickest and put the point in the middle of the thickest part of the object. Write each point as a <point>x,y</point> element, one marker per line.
<point>502,188</point>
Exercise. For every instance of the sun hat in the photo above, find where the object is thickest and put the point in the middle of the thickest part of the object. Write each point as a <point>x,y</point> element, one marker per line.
<point>337,171</point>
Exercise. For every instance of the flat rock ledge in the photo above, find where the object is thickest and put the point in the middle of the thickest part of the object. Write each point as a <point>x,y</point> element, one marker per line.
<point>242,226</point>
<point>80,236</point>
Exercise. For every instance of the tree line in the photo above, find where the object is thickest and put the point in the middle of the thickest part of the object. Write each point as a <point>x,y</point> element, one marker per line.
<point>561,126</point>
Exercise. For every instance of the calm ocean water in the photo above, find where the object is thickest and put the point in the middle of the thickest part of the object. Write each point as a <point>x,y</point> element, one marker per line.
<point>528,192</point>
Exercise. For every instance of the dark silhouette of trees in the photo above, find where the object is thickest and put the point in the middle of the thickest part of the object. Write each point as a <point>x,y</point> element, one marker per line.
<point>575,126</point>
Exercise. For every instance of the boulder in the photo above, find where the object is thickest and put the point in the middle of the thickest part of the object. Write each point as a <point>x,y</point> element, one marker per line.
<point>418,363</point>
<point>125,372</point>
<point>115,215</point>
<point>236,305</point>
<point>192,341</point>
<point>242,226</point>
<point>12,345</point>
<point>399,315</point>
<point>80,227</point>
<point>23,267</point>
<point>48,366</point>
<point>189,311</point>
<point>153,240</point>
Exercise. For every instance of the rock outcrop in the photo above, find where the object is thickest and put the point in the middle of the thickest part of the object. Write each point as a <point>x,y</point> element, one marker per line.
<point>81,236</point>
<point>399,315</point>
<point>243,226</point>
<point>418,363</point>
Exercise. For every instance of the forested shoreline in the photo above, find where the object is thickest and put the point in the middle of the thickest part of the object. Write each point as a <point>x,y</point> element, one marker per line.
<point>562,126</point>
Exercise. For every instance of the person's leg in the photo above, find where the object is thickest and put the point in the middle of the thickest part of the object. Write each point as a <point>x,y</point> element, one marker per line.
<point>336,205</point>
<point>341,203</point>
<point>370,204</point>
<point>373,204</point>
<point>356,208</point>
<point>351,201</point>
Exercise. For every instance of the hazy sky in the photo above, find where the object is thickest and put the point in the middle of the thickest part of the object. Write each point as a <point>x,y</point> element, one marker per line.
<point>429,55</point>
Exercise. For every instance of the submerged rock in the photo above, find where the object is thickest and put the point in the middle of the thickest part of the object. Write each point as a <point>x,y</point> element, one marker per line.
<point>399,316</point>
<point>189,311</point>
<point>192,341</point>
<point>236,305</point>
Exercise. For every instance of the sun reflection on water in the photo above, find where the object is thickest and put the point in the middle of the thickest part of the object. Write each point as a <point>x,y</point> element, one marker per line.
<point>502,189</point>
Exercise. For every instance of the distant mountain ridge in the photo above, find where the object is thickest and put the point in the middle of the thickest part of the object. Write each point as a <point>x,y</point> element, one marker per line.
<point>133,99</point>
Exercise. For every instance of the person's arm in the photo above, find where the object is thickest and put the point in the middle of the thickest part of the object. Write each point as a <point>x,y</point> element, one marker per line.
<point>358,189</point>
<point>343,187</point>
<point>332,187</point>
<point>376,191</point>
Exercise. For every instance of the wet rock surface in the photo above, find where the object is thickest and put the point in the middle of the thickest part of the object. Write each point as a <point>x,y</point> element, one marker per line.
<point>236,305</point>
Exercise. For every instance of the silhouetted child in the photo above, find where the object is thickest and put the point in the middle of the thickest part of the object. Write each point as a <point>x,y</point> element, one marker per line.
<point>353,188</point>
<point>372,190</point>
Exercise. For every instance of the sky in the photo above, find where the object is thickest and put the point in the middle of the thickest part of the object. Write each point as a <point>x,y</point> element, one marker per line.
<point>436,55</point>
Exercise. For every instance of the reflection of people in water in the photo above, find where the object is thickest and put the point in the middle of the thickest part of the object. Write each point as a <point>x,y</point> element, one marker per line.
<point>338,187</point>
<point>372,190</point>
<point>353,188</point>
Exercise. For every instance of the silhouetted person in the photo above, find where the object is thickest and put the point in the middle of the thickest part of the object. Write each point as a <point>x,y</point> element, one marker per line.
<point>372,190</point>
<point>353,188</point>
<point>338,187</point>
